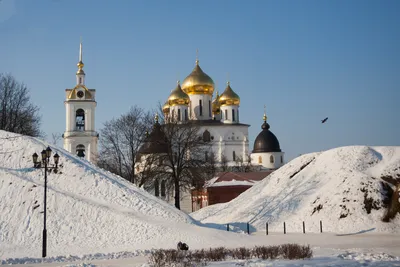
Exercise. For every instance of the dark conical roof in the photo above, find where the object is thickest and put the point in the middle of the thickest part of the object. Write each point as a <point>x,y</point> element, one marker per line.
<point>266,141</point>
<point>155,142</point>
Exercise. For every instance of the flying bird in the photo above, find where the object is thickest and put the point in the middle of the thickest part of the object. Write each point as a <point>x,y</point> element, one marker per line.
<point>324,120</point>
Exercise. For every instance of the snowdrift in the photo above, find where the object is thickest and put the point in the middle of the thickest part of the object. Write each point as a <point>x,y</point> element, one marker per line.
<point>341,187</point>
<point>88,209</point>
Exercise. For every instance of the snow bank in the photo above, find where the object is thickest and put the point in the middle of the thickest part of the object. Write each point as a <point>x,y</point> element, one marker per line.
<point>88,210</point>
<point>340,187</point>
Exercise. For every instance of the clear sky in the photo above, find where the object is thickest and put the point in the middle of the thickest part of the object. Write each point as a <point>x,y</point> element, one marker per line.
<point>304,60</point>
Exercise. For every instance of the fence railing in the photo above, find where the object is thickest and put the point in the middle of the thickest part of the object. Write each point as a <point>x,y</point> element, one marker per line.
<point>267,225</point>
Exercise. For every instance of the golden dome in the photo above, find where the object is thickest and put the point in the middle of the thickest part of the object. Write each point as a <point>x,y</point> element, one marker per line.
<point>229,97</point>
<point>165,108</point>
<point>216,107</point>
<point>198,82</point>
<point>178,97</point>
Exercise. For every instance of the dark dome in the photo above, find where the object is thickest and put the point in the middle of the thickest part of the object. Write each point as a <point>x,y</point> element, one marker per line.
<point>266,141</point>
<point>155,142</point>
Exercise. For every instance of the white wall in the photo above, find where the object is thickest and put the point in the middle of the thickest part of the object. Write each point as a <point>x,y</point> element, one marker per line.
<point>266,161</point>
<point>194,112</point>
<point>227,110</point>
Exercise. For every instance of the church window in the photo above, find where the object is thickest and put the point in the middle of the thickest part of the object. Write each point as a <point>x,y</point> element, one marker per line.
<point>209,108</point>
<point>206,136</point>
<point>179,115</point>
<point>234,155</point>
<point>173,114</point>
<point>156,188</point>
<point>237,115</point>
<point>259,159</point>
<point>80,151</point>
<point>271,159</point>
<point>226,114</point>
<point>163,189</point>
<point>80,120</point>
<point>186,115</point>
<point>281,159</point>
<point>233,115</point>
<point>201,107</point>
<point>80,80</point>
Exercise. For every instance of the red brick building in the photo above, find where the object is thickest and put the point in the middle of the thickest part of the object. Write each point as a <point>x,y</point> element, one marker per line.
<point>225,187</point>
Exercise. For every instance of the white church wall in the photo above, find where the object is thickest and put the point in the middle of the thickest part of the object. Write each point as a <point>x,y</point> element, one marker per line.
<point>194,112</point>
<point>265,158</point>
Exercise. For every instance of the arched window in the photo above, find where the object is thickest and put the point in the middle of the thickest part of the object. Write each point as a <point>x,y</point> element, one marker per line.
<point>259,159</point>
<point>233,115</point>
<point>80,151</point>
<point>156,188</point>
<point>80,120</point>
<point>226,114</point>
<point>233,155</point>
<point>206,136</point>
<point>163,190</point>
<point>186,115</point>
<point>271,159</point>
<point>281,159</point>
<point>209,108</point>
<point>201,107</point>
<point>179,115</point>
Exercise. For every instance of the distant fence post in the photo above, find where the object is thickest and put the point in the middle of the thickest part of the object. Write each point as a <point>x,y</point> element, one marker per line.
<point>267,227</point>
<point>304,228</point>
<point>284,227</point>
<point>248,228</point>
<point>227,227</point>
<point>320,226</point>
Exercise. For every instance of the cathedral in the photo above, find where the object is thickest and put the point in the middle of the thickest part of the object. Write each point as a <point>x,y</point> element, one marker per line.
<point>194,100</point>
<point>219,121</point>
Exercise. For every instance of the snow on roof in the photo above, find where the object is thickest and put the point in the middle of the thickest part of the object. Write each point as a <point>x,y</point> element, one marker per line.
<point>334,186</point>
<point>237,178</point>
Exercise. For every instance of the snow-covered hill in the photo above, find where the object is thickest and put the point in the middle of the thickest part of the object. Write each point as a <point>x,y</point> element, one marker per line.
<point>342,187</point>
<point>88,210</point>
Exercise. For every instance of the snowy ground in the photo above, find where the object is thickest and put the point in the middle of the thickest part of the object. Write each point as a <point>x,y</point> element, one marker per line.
<point>98,219</point>
<point>366,249</point>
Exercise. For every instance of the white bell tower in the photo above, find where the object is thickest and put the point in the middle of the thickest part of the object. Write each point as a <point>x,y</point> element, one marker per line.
<point>80,136</point>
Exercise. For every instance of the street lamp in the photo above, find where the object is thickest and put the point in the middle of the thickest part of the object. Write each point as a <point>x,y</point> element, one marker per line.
<point>38,165</point>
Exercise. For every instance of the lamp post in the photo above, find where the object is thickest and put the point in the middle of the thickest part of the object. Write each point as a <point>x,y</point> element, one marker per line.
<point>38,165</point>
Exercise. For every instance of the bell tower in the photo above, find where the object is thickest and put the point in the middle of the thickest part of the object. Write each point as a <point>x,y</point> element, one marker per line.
<point>80,136</point>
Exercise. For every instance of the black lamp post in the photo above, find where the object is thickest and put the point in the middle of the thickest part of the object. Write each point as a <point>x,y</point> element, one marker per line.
<point>37,164</point>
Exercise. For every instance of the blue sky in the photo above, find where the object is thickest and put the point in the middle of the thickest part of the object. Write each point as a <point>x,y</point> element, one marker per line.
<point>304,60</point>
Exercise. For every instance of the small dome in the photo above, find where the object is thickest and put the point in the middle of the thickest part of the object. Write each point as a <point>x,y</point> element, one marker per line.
<point>178,97</point>
<point>216,107</point>
<point>266,141</point>
<point>198,82</point>
<point>155,142</point>
<point>229,97</point>
<point>165,108</point>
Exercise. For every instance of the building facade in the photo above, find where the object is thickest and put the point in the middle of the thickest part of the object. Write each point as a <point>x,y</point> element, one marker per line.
<point>80,136</point>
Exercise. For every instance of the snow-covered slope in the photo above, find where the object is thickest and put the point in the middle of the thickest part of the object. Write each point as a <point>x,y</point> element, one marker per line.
<point>334,186</point>
<point>88,210</point>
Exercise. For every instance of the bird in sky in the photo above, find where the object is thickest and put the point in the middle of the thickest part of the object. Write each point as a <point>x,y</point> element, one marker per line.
<point>324,120</point>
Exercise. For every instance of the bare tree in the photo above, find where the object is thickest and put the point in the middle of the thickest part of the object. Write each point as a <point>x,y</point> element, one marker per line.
<point>224,164</point>
<point>17,113</point>
<point>55,138</point>
<point>120,140</point>
<point>186,164</point>
<point>243,165</point>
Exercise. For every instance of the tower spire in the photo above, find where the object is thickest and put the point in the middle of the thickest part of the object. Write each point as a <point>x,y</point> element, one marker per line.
<point>80,50</point>
<point>265,115</point>
<point>80,74</point>
<point>197,56</point>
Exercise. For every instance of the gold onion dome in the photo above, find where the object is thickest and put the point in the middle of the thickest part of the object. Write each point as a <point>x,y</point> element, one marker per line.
<point>229,97</point>
<point>165,108</point>
<point>178,97</point>
<point>215,105</point>
<point>198,82</point>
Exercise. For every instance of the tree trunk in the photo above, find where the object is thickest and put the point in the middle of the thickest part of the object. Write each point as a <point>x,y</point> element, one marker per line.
<point>177,194</point>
